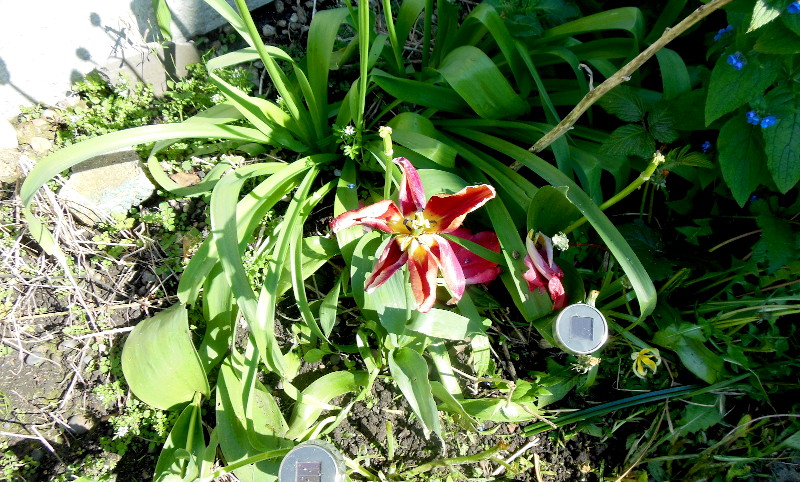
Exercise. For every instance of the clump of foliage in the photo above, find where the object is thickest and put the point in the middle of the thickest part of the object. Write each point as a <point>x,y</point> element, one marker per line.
<point>703,336</point>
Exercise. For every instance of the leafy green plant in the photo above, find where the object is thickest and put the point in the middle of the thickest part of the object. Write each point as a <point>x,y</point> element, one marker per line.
<point>460,119</point>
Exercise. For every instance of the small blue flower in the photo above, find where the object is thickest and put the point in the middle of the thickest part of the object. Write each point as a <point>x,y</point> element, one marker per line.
<point>753,198</point>
<point>722,32</point>
<point>706,146</point>
<point>794,7</point>
<point>351,186</point>
<point>767,121</point>
<point>736,60</point>
<point>753,118</point>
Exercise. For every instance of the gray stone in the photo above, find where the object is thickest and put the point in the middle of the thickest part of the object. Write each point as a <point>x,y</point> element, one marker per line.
<point>8,136</point>
<point>10,171</point>
<point>40,145</point>
<point>281,23</point>
<point>106,185</point>
<point>79,424</point>
<point>268,30</point>
<point>152,64</point>
<point>37,356</point>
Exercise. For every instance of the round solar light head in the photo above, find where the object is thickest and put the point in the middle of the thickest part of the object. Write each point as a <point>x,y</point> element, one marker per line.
<point>580,329</point>
<point>312,461</point>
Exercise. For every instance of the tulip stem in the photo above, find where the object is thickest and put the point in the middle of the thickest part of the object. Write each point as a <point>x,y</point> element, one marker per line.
<point>658,159</point>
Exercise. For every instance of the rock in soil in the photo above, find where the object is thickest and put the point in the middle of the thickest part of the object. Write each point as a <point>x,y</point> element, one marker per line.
<point>8,136</point>
<point>106,185</point>
<point>10,171</point>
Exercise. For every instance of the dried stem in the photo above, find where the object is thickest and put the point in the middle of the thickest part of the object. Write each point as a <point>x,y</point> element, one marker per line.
<point>624,74</point>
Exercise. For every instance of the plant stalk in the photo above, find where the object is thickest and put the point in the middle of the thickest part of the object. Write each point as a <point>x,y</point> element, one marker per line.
<point>624,74</point>
<point>658,159</point>
<point>467,459</point>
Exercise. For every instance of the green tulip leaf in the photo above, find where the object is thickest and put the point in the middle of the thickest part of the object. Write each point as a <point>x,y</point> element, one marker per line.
<point>160,362</point>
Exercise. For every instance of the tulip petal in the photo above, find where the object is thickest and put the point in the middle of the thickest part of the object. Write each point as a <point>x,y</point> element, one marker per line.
<point>412,194</point>
<point>392,259</point>
<point>422,271</point>
<point>442,253</point>
<point>557,293</point>
<point>476,269</point>
<point>532,276</point>
<point>449,210</point>
<point>383,215</point>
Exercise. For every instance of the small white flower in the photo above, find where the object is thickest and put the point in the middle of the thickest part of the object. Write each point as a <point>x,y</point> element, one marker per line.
<point>349,130</point>
<point>121,431</point>
<point>561,241</point>
<point>217,98</point>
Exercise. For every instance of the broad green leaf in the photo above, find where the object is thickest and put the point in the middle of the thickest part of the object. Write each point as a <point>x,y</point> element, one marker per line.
<point>420,93</point>
<point>782,145</point>
<point>669,14</point>
<point>160,363</point>
<point>388,303</point>
<point>625,103</point>
<point>435,182</point>
<point>777,39</point>
<point>764,12</point>
<point>642,285</point>
<point>453,405</point>
<point>630,140</point>
<point>163,18</point>
<point>741,157</point>
<point>410,372</point>
<point>231,425</point>
<point>321,37</point>
<point>627,18</point>
<point>473,75</point>
<point>315,398</point>
<point>445,324</point>
<point>500,410</point>
<point>441,360</point>
<point>730,88</point>
<point>185,438</point>
<point>417,133</point>
<point>220,316</point>
<point>793,22</point>
<point>551,211</point>
<point>687,341</point>
<point>330,308</point>
<point>674,75</point>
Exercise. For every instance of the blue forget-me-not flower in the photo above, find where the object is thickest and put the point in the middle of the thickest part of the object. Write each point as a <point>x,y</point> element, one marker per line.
<point>794,7</point>
<point>736,60</point>
<point>721,33</point>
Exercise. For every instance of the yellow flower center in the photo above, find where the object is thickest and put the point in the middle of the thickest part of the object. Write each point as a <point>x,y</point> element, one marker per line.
<point>418,224</point>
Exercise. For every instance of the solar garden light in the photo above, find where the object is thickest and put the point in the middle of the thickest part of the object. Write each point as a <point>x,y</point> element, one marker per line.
<point>580,328</point>
<point>312,461</point>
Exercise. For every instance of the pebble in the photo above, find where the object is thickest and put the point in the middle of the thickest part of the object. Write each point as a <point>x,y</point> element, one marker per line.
<point>10,171</point>
<point>51,116</point>
<point>36,357</point>
<point>281,23</point>
<point>40,145</point>
<point>37,454</point>
<point>68,344</point>
<point>279,6</point>
<point>148,277</point>
<point>79,424</point>
<point>268,30</point>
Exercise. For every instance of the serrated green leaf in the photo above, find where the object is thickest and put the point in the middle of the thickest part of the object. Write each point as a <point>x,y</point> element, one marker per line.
<point>160,362</point>
<point>782,145</point>
<point>660,123</point>
<point>625,103</point>
<point>698,416</point>
<point>687,110</point>
<point>764,12</point>
<point>730,88</point>
<point>630,140</point>
<point>741,157</point>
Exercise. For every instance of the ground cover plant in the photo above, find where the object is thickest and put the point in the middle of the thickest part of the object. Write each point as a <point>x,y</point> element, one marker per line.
<point>468,148</point>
